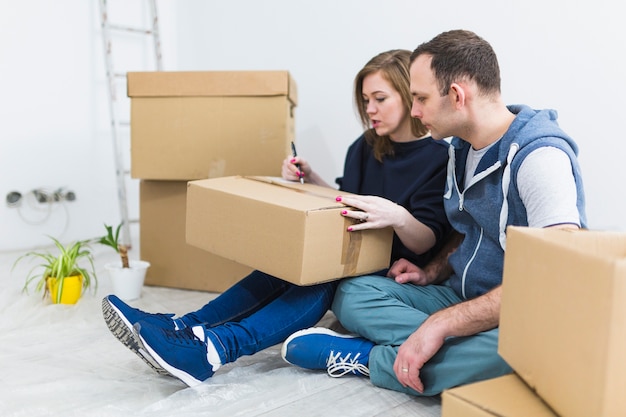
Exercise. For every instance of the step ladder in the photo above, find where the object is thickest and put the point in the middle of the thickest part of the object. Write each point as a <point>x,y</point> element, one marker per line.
<point>118,120</point>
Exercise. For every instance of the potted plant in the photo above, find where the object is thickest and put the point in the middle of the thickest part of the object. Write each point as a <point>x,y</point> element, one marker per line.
<point>62,275</point>
<point>127,276</point>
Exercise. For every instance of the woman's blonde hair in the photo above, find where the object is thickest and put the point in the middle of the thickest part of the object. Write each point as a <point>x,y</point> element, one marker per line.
<point>394,67</point>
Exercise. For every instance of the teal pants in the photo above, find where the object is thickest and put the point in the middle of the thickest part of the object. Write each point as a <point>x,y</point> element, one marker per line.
<point>387,313</point>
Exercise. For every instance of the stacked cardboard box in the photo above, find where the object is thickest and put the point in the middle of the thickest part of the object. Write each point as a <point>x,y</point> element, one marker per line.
<point>173,262</point>
<point>196,125</point>
<point>563,320</point>
<point>507,396</point>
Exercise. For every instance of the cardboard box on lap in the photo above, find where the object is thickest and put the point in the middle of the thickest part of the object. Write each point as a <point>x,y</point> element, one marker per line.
<point>207,124</point>
<point>563,317</point>
<point>506,396</point>
<point>174,263</point>
<point>289,230</point>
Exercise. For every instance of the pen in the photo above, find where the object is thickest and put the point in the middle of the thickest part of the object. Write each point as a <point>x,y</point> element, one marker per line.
<point>293,151</point>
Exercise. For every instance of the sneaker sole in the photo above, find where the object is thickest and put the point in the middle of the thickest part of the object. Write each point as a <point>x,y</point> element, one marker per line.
<point>172,371</point>
<point>123,331</point>
<point>312,330</point>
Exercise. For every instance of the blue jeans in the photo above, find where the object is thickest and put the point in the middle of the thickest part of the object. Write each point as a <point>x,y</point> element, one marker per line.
<point>387,313</point>
<point>260,311</point>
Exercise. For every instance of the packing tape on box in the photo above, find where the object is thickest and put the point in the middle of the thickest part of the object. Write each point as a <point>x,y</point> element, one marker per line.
<point>351,249</point>
<point>300,188</point>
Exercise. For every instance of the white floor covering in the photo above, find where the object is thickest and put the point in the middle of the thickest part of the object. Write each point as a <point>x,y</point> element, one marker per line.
<point>58,360</point>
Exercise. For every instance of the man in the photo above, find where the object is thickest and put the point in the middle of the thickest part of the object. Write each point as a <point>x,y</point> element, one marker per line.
<point>432,329</point>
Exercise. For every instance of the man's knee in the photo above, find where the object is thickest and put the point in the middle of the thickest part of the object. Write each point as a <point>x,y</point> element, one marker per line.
<point>352,296</point>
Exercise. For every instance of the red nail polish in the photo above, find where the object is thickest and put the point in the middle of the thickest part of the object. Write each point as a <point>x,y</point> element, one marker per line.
<point>338,198</point>
<point>349,229</point>
<point>293,160</point>
<point>344,212</point>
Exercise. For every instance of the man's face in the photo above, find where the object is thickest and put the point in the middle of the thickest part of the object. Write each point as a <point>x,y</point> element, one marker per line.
<point>428,105</point>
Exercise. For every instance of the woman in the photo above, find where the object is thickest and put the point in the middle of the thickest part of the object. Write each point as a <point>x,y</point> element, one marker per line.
<point>399,172</point>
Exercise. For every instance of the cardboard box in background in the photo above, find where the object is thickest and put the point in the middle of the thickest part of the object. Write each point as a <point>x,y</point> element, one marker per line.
<point>174,263</point>
<point>563,317</point>
<point>506,396</point>
<point>207,124</point>
<point>289,230</point>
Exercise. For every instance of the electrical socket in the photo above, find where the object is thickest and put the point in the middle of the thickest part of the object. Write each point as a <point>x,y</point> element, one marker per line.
<point>14,199</point>
<point>41,196</point>
<point>44,196</point>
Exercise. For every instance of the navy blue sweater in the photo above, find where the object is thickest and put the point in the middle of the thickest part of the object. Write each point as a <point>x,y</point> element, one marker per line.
<point>413,177</point>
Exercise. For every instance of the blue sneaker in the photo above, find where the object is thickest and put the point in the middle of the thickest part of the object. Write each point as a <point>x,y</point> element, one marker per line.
<point>320,348</point>
<point>187,354</point>
<point>120,318</point>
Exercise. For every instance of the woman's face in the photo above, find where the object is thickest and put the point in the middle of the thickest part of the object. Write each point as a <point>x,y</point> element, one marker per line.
<point>383,104</point>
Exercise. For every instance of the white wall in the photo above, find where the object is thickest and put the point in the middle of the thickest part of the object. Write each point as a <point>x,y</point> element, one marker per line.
<point>54,109</point>
<point>55,125</point>
<point>566,56</point>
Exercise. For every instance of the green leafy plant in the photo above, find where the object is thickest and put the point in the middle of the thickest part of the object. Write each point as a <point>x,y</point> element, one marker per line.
<point>111,239</point>
<point>60,266</point>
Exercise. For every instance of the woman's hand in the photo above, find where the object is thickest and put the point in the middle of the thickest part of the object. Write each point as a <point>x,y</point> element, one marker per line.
<point>372,212</point>
<point>377,213</point>
<point>290,171</point>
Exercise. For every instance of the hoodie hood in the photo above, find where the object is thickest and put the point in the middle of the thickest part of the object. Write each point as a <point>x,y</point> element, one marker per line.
<point>531,125</point>
<point>528,126</point>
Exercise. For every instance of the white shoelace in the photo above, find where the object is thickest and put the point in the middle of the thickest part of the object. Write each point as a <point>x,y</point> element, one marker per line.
<point>338,366</point>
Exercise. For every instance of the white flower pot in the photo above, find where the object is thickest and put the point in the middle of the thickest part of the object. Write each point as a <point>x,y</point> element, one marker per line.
<point>127,282</point>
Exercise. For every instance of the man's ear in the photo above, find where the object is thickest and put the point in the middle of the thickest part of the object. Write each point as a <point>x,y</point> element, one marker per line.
<point>457,95</point>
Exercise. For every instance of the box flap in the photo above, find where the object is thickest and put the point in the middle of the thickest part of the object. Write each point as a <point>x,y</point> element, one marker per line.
<point>309,189</point>
<point>211,84</point>
<point>276,191</point>
<point>602,244</point>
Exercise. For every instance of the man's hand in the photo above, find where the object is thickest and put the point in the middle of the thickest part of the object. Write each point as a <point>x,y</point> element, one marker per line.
<point>463,319</point>
<point>422,345</point>
<point>403,271</point>
<point>437,270</point>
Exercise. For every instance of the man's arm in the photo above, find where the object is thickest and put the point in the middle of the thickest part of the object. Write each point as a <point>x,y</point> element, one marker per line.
<point>463,319</point>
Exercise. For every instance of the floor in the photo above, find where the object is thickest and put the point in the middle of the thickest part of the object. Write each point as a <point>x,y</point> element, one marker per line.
<point>59,360</point>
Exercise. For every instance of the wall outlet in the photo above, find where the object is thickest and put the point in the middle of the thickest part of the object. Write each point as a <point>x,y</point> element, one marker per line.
<point>14,199</point>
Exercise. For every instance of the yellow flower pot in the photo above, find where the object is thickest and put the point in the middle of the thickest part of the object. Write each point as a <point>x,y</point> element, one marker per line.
<point>66,290</point>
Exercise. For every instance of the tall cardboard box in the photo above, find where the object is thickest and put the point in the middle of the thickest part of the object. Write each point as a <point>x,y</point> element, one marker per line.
<point>174,263</point>
<point>206,124</point>
<point>563,317</point>
<point>506,396</point>
<point>290,230</point>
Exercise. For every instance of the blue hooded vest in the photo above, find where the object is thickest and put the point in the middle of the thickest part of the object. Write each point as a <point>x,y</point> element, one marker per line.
<point>491,202</point>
